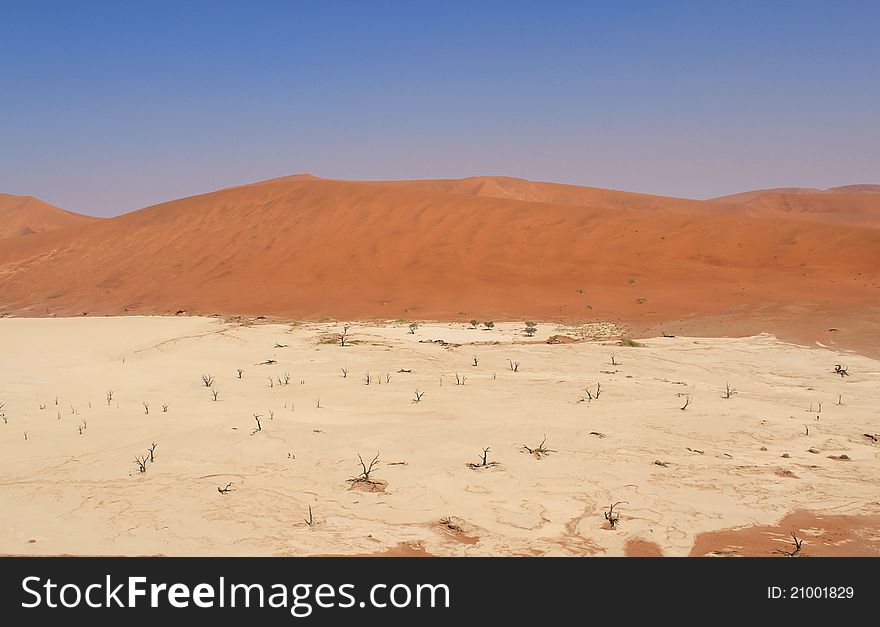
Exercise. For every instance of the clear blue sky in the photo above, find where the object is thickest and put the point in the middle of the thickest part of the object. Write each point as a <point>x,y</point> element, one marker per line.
<point>110,106</point>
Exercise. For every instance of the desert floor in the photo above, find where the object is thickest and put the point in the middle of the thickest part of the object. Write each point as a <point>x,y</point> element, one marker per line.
<point>795,445</point>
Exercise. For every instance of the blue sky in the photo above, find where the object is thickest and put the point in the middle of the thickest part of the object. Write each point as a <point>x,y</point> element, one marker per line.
<point>106,107</point>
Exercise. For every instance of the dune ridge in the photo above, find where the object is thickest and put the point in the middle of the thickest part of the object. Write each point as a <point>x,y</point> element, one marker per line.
<point>25,215</point>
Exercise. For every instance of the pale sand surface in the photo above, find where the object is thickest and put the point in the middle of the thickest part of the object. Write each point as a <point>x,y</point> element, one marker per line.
<point>62,492</point>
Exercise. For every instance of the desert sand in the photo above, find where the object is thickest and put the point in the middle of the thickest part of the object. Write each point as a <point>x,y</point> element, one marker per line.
<point>303,247</point>
<point>25,215</point>
<point>792,450</point>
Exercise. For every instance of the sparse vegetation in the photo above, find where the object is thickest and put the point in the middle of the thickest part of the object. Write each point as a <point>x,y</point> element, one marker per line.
<point>797,547</point>
<point>366,471</point>
<point>540,450</point>
<point>591,395</point>
<point>531,329</point>
<point>141,461</point>
<point>484,461</point>
<point>613,517</point>
<point>489,325</point>
<point>627,341</point>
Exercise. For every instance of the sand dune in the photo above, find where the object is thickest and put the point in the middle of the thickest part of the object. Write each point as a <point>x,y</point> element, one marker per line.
<point>744,197</point>
<point>851,204</point>
<point>72,487</point>
<point>24,215</point>
<point>305,248</point>
<point>566,195</point>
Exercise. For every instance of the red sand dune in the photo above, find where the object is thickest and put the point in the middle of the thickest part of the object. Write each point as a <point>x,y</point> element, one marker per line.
<point>24,215</point>
<point>302,247</point>
<point>569,195</point>
<point>850,204</point>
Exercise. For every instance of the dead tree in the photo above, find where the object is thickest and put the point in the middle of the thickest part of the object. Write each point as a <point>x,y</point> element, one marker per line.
<point>476,361</point>
<point>367,379</point>
<point>343,335</point>
<point>366,471</point>
<point>164,408</point>
<point>613,517</point>
<point>152,451</point>
<point>109,396</point>
<point>344,373</point>
<point>590,395</point>
<point>239,372</point>
<point>614,361</point>
<point>225,490</point>
<point>484,463</point>
<point>259,426</point>
<point>387,377</point>
<point>842,370</point>
<point>687,401</point>
<point>215,394</point>
<point>514,365</point>
<point>141,463</point>
<point>729,391</point>
<point>146,407</point>
<point>797,547</point>
<point>460,379</point>
<point>540,450</point>
<point>419,395</point>
<point>284,379</point>
<point>318,403</point>
<point>208,380</point>
<point>310,521</point>
<point>412,327</point>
